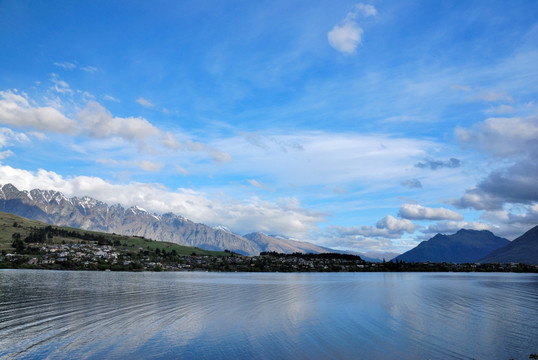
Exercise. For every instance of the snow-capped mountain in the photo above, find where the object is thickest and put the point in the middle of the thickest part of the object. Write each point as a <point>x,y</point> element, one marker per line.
<point>87,213</point>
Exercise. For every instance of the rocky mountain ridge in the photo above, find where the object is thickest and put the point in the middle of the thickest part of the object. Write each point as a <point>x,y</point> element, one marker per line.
<point>465,246</point>
<point>87,213</point>
<point>524,250</point>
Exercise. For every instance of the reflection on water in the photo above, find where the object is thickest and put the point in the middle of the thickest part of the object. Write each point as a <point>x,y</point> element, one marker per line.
<point>48,314</point>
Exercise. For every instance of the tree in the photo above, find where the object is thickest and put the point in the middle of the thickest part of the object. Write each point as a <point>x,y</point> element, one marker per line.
<point>18,244</point>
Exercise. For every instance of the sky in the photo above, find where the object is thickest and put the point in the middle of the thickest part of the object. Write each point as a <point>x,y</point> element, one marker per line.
<point>367,127</point>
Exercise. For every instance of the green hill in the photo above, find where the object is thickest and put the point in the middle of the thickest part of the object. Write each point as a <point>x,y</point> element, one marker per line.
<point>10,225</point>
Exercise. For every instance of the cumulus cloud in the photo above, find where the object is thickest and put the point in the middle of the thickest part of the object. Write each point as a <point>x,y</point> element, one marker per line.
<point>418,212</point>
<point>516,184</point>
<point>412,184</point>
<point>510,139</point>
<point>438,164</point>
<point>99,123</point>
<point>357,238</point>
<point>502,137</point>
<point>478,200</point>
<point>513,224</point>
<point>396,226</point>
<point>527,217</point>
<point>15,110</point>
<point>386,228</point>
<point>347,35</point>
<point>144,102</point>
<point>251,214</point>
<point>368,238</point>
<point>450,227</point>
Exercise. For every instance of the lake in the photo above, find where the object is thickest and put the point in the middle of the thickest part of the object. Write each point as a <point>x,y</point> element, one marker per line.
<point>108,315</point>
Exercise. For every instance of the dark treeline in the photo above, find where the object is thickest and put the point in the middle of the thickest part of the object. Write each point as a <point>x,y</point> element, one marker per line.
<point>41,235</point>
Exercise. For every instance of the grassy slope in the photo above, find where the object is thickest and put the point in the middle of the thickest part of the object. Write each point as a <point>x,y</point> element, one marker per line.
<point>24,227</point>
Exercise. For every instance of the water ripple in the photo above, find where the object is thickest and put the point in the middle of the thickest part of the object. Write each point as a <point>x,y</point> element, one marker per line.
<point>92,315</point>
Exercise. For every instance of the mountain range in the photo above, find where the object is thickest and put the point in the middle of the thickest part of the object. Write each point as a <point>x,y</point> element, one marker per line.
<point>468,246</point>
<point>87,213</point>
<point>465,246</point>
<point>524,249</point>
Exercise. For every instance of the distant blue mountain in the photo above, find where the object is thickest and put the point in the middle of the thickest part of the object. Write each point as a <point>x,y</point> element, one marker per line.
<point>524,250</point>
<point>465,246</point>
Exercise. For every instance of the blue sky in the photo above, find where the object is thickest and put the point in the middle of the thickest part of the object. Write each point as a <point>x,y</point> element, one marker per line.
<point>363,126</point>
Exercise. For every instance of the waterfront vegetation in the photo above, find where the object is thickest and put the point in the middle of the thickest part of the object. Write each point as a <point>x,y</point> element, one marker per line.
<point>31,244</point>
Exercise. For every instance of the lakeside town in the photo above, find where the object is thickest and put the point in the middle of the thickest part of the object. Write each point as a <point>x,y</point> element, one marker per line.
<point>92,256</point>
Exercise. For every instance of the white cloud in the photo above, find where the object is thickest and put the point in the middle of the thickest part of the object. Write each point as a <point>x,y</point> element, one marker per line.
<point>195,146</point>
<point>181,170</point>
<point>220,156</point>
<point>5,154</point>
<point>149,165</point>
<point>450,227</point>
<point>89,69</point>
<point>144,102</point>
<point>418,212</point>
<point>492,96</point>
<point>325,158</point>
<point>457,87</point>
<point>346,36</point>
<point>60,86</point>
<point>369,237</point>
<point>99,123</point>
<point>364,9</point>
<point>7,136</point>
<point>256,183</point>
<point>501,109</point>
<point>361,239</point>
<point>111,98</point>
<point>171,142</point>
<point>478,200</point>
<point>510,139</point>
<point>504,137</point>
<point>15,110</point>
<point>251,214</point>
<point>394,225</point>
<point>65,65</point>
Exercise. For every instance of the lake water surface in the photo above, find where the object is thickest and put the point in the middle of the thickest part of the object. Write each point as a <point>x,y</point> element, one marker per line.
<point>106,315</point>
